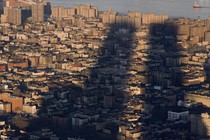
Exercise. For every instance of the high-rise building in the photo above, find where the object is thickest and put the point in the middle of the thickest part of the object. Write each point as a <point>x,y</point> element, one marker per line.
<point>4,17</point>
<point>134,19</point>
<point>87,11</point>
<point>15,15</point>
<point>72,11</point>
<point>59,12</point>
<point>37,12</point>
<point>109,16</point>
<point>207,36</point>
<point>153,18</point>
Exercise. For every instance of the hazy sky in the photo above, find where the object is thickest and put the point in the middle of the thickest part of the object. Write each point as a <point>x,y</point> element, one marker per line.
<point>174,8</point>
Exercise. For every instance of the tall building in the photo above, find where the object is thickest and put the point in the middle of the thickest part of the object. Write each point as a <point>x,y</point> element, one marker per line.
<point>15,15</point>
<point>208,23</point>
<point>207,36</point>
<point>59,12</point>
<point>153,18</point>
<point>109,16</point>
<point>87,11</point>
<point>4,17</point>
<point>122,19</point>
<point>37,12</point>
<point>134,19</point>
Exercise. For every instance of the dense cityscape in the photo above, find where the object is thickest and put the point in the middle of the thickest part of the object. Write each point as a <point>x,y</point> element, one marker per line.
<point>78,73</point>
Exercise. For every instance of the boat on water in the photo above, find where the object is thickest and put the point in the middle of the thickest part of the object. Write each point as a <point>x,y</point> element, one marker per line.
<point>196,5</point>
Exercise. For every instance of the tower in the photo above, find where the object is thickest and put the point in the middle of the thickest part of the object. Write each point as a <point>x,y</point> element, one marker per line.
<point>37,12</point>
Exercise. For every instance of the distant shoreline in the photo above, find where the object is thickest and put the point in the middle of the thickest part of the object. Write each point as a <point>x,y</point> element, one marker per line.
<point>159,7</point>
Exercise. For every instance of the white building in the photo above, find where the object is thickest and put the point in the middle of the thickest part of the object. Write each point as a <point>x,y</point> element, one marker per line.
<point>174,115</point>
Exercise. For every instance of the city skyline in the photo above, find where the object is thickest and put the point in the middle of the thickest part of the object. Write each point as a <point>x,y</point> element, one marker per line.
<point>79,73</point>
<point>173,8</point>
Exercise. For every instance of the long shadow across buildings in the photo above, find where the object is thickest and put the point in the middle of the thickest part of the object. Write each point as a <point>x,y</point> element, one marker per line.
<point>106,85</point>
<point>165,62</point>
<point>137,77</point>
<point>136,81</point>
<point>98,102</point>
<point>157,64</point>
<point>169,77</point>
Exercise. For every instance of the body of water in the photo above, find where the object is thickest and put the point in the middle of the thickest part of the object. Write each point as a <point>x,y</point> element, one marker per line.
<point>173,8</point>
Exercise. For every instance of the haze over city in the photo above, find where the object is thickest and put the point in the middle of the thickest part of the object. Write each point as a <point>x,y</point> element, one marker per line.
<point>173,8</point>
